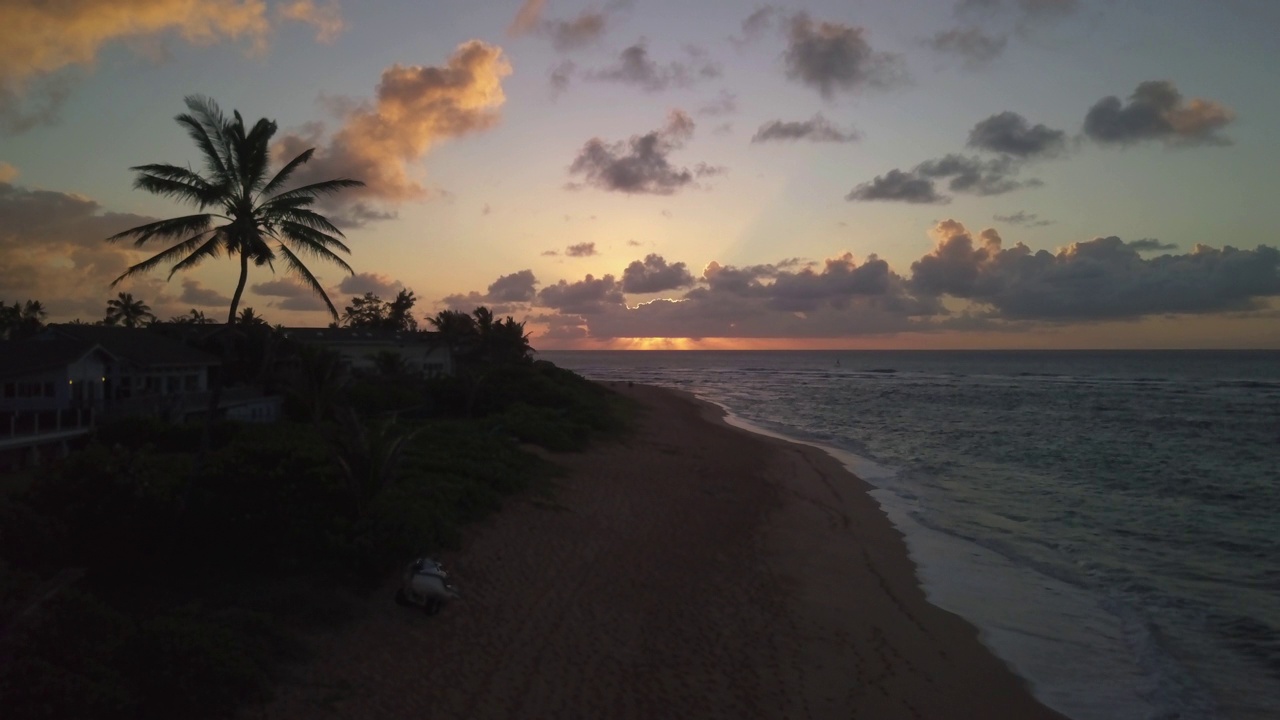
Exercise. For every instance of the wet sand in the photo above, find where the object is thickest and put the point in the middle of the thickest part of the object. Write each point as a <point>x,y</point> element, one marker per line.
<point>691,570</point>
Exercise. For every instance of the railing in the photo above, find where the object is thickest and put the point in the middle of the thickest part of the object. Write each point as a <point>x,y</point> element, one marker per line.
<point>30,423</point>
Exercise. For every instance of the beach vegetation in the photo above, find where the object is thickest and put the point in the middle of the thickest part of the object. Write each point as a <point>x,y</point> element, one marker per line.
<point>143,577</point>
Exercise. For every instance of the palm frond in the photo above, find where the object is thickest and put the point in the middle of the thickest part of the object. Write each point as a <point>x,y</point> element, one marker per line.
<point>162,229</point>
<point>210,248</point>
<point>170,181</point>
<point>205,124</point>
<point>321,188</point>
<point>294,264</point>
<point>311,239</point>
<point>196,243</point>
<point>283,176</point>
<point>308,218</point>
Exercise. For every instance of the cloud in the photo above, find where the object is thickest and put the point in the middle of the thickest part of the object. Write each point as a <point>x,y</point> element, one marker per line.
<point>293,295</point>
<point>635,68</point>
<point>195,294</point>
<point>326,19</point>
<point>53,248</point>
<point>40,38</point>
<point>639,165</point>
<point>8,173</point>
<point>1011,134</point>
<point>507,295</point>
<point>579,32</point>
<point>1104,278</point>
<point>589,296</point>
<point>815,129</point>
<point>655,275</point>
<point>1027,12</point>
<point>416,107</point>
<point>975,47</point>
<point>1022,218</point>
<point>832,56</point>
<point>757,24</point>
<point>516,287</point>
<point>1156,111</point>
<point>1150,245</point>
<point>586,249</point>
<point>898,186</point>
<point>527,18</point>
<point>726,103</point>
<point>375,283</point>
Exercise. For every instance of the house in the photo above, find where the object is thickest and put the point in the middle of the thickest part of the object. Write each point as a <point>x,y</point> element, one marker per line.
<point>360,348</point>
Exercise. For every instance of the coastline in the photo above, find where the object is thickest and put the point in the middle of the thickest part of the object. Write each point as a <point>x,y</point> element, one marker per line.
<point>692,569</point>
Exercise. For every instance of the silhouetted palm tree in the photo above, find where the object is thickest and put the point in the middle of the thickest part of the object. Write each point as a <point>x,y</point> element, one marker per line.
<point>251,208</point>
<point>21,320</point>
<point>124,310</point>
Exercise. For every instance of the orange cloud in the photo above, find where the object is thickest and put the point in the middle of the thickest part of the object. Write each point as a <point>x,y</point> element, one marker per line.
<point>527,17</point>
<point>327,19</point>
<point>416,107</point>
<point>40,37</point>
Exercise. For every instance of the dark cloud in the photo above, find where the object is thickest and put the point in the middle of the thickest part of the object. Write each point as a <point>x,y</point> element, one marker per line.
<point>975,47</point>
<point>638,165</point>
<point>634,67</point>
<point>758,23</point>
<point>293,295</point>
<point>1150,245</point>
<point>562,75</point>
<point>1010,133</point>
<point>969,175</point>
<point>726,103</point>
<point>375,283</point>
<point>1104,278</point>
<point>900,186</point>
<point>516,287</point>
<point>579,32</point>
<point>975,176</point>
<point>832,56</point>
<point>655,275</point>
<point>1156,111</point>
<point>1027,12</point>
<point>586,249</point>
<point>1022,218</point>
<point>53,249</point>
<point>195,294</point>
<point>815,129</point>
<point>586,297</point>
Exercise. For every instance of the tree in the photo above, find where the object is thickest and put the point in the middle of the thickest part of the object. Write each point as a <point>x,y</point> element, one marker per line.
<point>371,311</point>
<point>249,318</point>
<point>21,320</point>
<point>255,219</point>
<point>124,310</point>
<point>195,317</point>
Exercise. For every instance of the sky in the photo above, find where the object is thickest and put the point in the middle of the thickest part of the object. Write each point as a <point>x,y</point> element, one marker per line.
<point>642,174</point>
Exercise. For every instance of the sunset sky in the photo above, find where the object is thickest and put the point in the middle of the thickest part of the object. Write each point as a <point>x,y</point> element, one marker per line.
<point>651,173</point>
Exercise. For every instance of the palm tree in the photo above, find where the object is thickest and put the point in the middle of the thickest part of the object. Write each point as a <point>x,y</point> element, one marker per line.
<point>252,209</point>
<point>124,310</point>
<point>21,320</point>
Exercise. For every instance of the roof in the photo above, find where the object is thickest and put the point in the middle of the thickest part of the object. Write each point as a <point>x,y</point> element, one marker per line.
<point>139,346</point>
<point>20,358</point>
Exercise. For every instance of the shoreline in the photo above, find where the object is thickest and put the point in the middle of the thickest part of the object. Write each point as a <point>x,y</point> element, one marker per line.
<point>691,569</point>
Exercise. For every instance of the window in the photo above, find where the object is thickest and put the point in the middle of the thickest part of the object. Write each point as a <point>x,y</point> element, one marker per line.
<point>191,383</point>
<point>10,390</point>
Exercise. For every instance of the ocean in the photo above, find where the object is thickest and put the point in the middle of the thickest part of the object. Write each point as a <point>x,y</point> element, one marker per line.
<point>1110,521</point>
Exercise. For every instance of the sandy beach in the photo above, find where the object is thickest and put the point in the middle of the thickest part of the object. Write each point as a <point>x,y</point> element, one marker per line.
<point>691,570</point>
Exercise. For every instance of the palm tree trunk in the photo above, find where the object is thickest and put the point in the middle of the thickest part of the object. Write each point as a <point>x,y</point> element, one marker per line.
<point>244,275</point>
